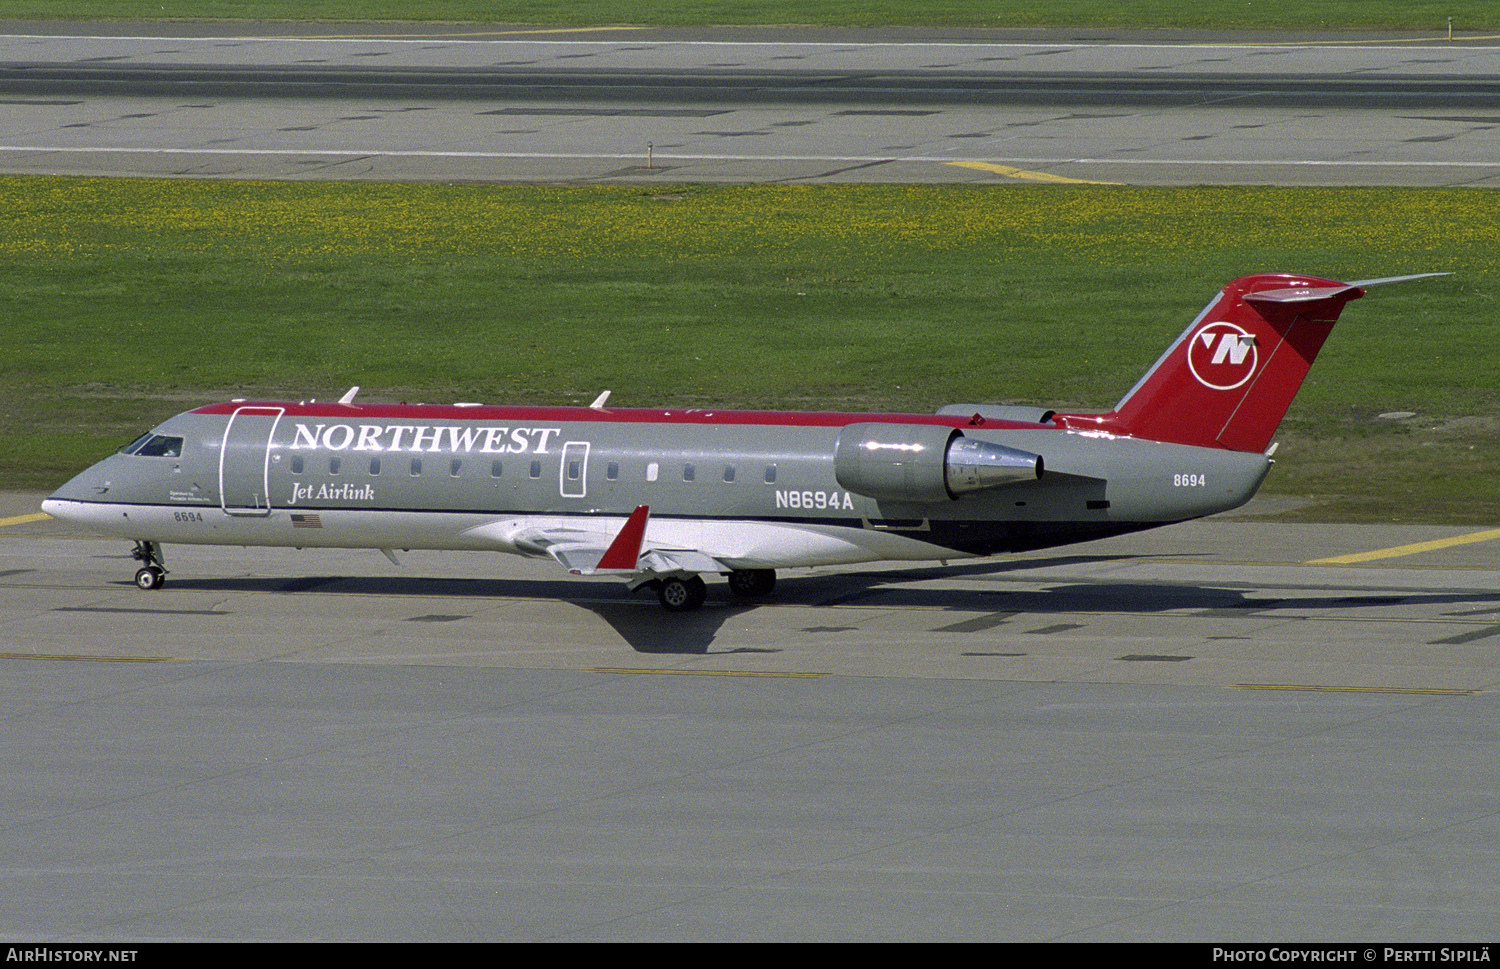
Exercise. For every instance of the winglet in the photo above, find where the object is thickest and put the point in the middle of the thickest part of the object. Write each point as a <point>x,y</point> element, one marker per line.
<point>625,550</point>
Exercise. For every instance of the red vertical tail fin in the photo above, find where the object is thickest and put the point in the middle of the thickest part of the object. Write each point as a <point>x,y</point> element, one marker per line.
<point>1229,378</point>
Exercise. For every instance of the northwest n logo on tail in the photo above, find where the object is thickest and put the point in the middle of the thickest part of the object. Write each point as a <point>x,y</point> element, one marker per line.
<point>1228,379</point>
<point>1222,356</point>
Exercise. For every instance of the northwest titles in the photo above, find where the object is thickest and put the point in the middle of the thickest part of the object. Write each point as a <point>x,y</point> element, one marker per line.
<point>424,438</point>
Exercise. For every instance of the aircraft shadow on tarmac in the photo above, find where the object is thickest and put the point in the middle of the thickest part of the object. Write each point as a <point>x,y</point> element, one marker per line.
<point>647,629</point>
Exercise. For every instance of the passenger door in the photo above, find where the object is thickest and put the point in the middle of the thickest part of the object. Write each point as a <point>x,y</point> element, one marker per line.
<point>245,461</point>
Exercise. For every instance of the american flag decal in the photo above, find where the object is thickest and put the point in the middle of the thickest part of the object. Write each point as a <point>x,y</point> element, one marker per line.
<point>306,521</point>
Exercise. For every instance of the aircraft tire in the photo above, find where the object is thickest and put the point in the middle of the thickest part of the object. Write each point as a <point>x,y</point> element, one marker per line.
<point>682,595</point>
<point>150,578</point>
<point>752,583</point>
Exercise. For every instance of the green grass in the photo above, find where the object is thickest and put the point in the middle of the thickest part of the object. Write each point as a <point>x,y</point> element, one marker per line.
<point>129,300</point>
<point>1423,15</point>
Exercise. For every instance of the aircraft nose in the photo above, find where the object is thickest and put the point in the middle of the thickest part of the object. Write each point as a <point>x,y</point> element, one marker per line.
<point>91,485</point>
<point>81,495</point>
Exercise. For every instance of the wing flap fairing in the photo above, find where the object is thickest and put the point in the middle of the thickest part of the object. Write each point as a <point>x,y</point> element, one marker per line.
<point>627,553</point>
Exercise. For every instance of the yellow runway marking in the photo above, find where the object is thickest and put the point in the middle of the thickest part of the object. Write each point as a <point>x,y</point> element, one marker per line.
<point>1010,172</point>
<point>1413,549</point>
<point>23,519</point>
<point>455,35</point>
<point>606,669</point>
<point>94,659</point>
<point>1351,689</point>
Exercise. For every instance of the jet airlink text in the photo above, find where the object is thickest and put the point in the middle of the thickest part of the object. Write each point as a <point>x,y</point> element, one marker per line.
<point>339,492</point>
<point>424,437</point>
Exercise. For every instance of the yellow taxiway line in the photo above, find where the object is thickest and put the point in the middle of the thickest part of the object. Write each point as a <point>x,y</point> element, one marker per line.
<point>608,669</point>
<point>1010,172</point>
<point>92,659</point>
<point>1352,689</point>
<point>453,35</point>
<point>23,519</point>
<point>1416,547</point>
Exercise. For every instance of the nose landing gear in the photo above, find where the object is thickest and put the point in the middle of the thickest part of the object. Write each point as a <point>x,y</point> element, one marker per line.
<point>153,574</point>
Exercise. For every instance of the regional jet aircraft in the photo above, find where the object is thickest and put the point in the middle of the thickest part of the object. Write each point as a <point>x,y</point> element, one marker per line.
<point>662,497</point>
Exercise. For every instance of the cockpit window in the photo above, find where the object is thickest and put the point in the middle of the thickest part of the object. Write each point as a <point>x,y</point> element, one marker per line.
<point>131,447</point>
<point>154,446</point>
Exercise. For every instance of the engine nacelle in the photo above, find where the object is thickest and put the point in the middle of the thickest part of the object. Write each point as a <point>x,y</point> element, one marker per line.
<point>925,462</point>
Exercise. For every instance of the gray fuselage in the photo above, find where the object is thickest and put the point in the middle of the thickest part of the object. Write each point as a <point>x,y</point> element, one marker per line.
<point>434,476</point>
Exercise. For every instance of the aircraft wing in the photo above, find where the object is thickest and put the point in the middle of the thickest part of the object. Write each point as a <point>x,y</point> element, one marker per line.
<point>587,552</point>
<point>580,558</point>
<point>663,561</point>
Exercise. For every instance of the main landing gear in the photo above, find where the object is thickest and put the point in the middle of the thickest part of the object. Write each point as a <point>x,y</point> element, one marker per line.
<point>679,594</point>
<point>752,583</point>
<point>153,574</point>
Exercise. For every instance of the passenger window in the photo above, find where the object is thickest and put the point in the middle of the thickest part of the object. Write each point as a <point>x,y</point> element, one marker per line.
<point>335,464</point>
<point>455,467</point>
<point>770,474</point>
<point>495,469</point>
<point>416,467</point>
<point>728,472</point>
<point>536,469</point>
<point>652,470</point>
<point>374,465</point>
<point>612,471</point>
<point>689,472</point>
<point>297,464</point>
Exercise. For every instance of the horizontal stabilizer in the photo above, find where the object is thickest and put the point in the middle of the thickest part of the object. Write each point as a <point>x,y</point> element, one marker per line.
<point>1311,294</point>
<point>1365,283</point>
<point>1300,294</point>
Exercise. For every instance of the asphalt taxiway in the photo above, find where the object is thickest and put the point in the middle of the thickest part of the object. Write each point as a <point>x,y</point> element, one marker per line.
<point>446,103</point>
<point>1228,729</point>
<point>1224,602</point>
